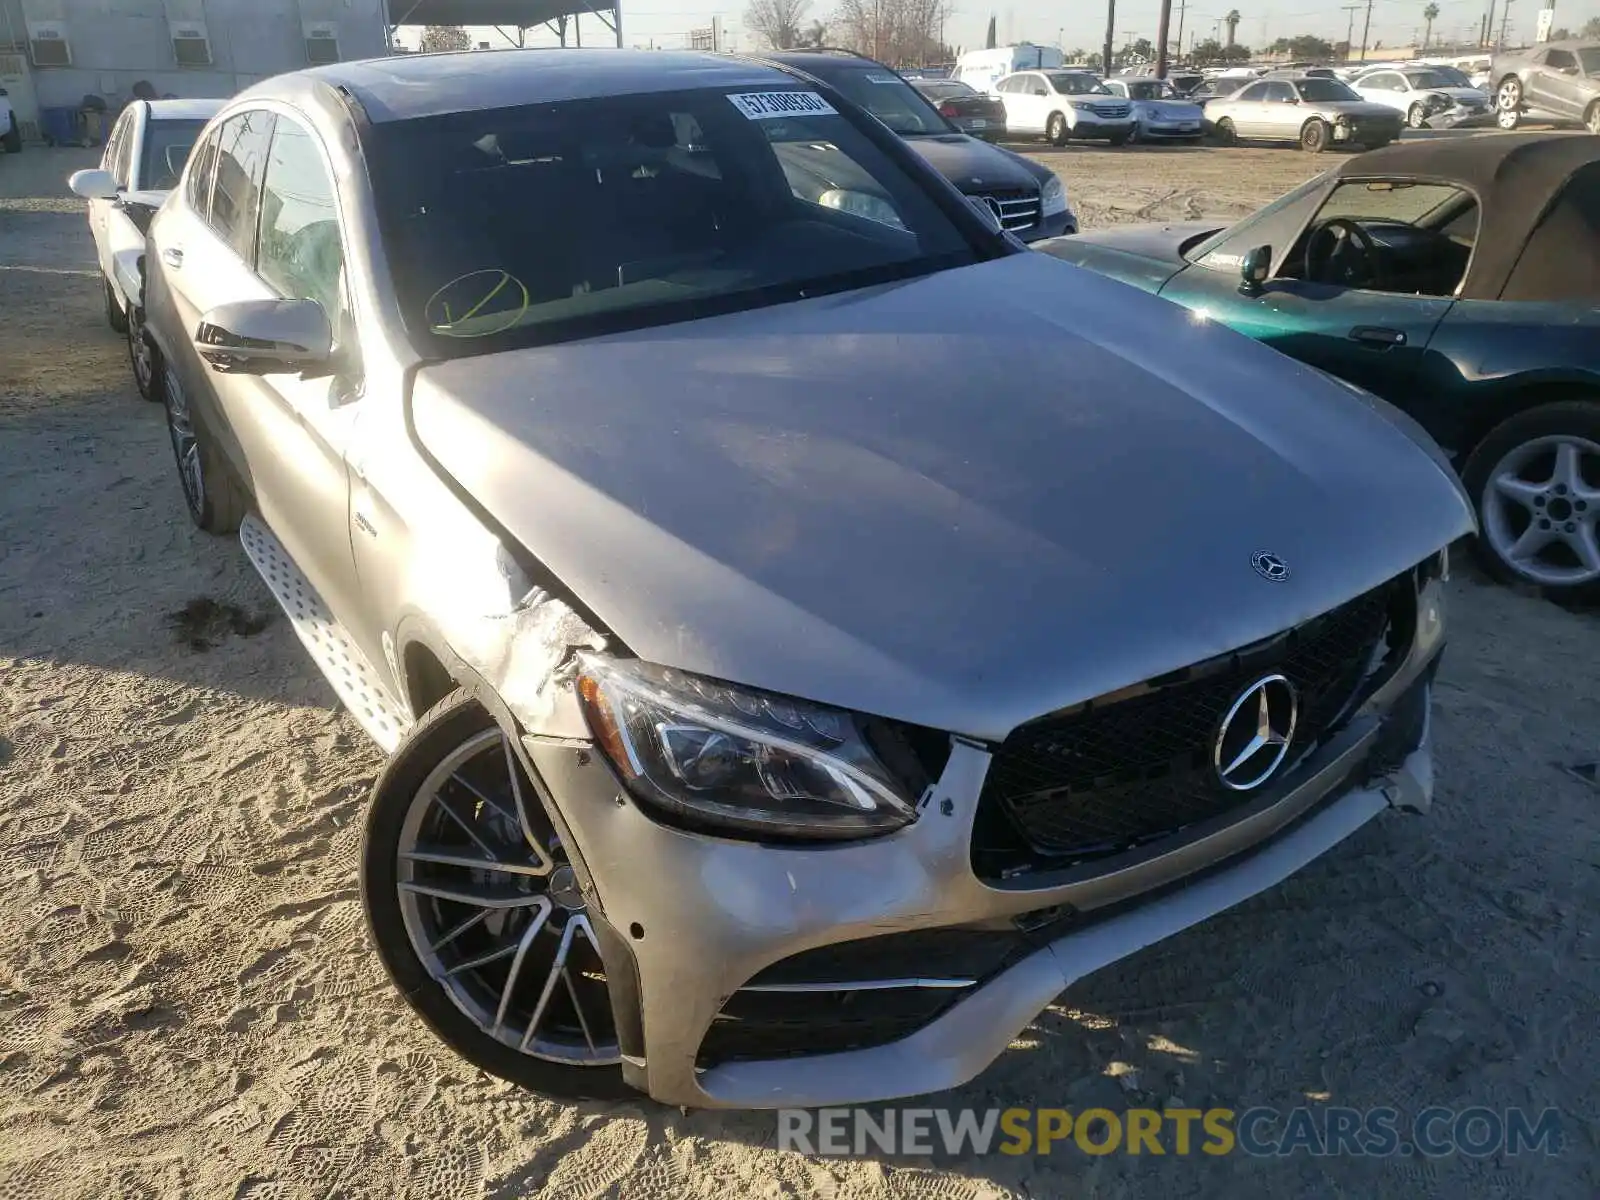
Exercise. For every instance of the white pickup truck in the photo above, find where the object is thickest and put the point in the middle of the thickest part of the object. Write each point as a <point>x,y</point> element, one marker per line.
<point>143,160</point>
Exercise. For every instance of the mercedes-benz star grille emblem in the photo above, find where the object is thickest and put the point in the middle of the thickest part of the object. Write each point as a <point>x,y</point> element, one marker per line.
<point>994,207</point>
<point>1269,566</point>
<point>1254,737</point>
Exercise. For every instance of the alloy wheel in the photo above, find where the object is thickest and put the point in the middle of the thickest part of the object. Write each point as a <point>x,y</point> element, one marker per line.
<point>1541,511</point>
<point>494,912</point>
<point>1591,120</point>
<point>185,445</point>
<point>1509,97</point>
<point>140,355</point>
<point>1417,117</point>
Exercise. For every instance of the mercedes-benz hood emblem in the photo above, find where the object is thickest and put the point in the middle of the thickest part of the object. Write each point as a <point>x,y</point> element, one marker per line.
<point>1254,737</point>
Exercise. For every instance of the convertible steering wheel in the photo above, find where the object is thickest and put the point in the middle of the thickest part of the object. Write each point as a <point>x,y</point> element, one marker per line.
<point>1350,258</point>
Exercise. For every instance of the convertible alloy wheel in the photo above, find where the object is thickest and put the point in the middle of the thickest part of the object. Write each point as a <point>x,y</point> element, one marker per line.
<point>1541,511</point>
<point>1417,116</point>
<point>1509,97</point>
<point>141,355</point>
<point>185,445</point>
<point>477,911</point>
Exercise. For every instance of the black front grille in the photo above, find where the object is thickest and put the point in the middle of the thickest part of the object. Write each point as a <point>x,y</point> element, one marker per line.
<point>1106,777</point>
<point>763,1025</point>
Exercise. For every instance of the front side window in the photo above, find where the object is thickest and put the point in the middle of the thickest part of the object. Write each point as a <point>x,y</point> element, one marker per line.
<point>1280,93</point>
<point>1418,237</point>
<point>166,148</point>
<point>1561,60</point>
<point>1385,81</point>
<point>299,253</point>
<point>545,222</point>
<point>1076,83</point>
<point>236,195</point>
<point>1589,60</point>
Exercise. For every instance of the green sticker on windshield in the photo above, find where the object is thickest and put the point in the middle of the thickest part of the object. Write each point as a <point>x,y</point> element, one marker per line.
<point>479,304</point>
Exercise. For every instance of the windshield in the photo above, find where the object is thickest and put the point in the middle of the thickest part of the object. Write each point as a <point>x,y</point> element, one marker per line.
<point>886,96</point>
<point>515,226</point>
<point>1152,89</point>
<point>1589,59</point>
<point>1075,83</point>
<point>1438,77</point>
<point>166,149</point>
<point>1323,91</point>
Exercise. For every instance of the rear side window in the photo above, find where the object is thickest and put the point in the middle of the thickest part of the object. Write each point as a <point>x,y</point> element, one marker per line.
<point>1256,91</point>
<point>202,172</point>
<point>301,255</point>
<point>236,195</point>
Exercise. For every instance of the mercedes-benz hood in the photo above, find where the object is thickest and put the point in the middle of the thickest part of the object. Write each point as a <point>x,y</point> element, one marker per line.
<point>974,166</point>
<point>963,500</point>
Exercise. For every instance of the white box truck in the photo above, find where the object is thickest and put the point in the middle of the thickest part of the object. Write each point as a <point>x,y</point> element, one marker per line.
<point>981,69</point>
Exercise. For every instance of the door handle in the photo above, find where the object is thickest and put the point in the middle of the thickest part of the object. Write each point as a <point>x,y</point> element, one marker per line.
<point>1377,336</point>
<point>173,258</point>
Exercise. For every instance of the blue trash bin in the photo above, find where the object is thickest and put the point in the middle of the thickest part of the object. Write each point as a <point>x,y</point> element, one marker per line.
<point>59,126</point>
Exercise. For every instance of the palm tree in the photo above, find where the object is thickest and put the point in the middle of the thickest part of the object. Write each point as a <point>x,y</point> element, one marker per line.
<point>1232,21</point>
<point>1429,14</point>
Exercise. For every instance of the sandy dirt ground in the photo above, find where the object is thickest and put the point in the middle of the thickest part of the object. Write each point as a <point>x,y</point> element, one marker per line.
<point>189,1008</point>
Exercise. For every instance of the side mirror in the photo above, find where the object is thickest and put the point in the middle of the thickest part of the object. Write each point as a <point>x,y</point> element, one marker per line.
<point>1254,269</point>
<point>989,216</point>
<point>266,337</point>
<point>93,185</point>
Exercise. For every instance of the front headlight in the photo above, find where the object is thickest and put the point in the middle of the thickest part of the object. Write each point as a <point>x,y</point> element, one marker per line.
<point>716,754</point>
<point>861,204</point>
<point>1053,198</point>
<point>1080,104</point>
<point>1438,102</point>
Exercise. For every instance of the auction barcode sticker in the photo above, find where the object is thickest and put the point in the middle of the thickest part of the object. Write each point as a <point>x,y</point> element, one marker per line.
<point>763,106</point>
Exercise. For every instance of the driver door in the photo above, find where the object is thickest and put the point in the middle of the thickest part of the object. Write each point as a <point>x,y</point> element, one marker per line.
<point>1556,85</point>
<point>1376,339</point>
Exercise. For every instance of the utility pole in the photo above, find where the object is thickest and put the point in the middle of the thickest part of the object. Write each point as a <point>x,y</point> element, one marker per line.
<point>1366,28</point>
<point>1163,28</point>
<point>1350,28</point>
<point>1182,7</point>
<point>1488,26</point>
<point>1111,32</point>
<point>1505,19</point>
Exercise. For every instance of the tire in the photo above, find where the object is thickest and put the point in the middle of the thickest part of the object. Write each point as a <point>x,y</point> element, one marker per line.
<point>1516,479</point>
<point>144,359</point>
<point>116,316</point>
<point>1225,133</point>
<point>1508,94</point>
<point>12,140</point>
<point>1314,136</point>
<point>1417,117</point>
<point>1507,118</point>
<point>455,740</point>
<point>213,495</point>
<point>1591,119</point>
<point>1056,131</point>
<point>1120,139</point>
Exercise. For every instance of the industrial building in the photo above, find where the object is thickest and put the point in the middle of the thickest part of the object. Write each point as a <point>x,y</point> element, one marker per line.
<point>54,53</point>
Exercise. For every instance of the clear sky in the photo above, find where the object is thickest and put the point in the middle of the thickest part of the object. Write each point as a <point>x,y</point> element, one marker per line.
<point>1394,22</point>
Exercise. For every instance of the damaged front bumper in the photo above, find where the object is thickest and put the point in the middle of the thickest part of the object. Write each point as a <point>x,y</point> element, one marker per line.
<point>707,934</point>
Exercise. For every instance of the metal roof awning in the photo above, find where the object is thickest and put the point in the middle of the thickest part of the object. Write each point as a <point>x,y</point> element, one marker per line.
<point>490,12</point>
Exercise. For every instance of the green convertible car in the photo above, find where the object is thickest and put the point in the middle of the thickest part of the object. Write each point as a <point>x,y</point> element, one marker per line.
<point>1458,279</point>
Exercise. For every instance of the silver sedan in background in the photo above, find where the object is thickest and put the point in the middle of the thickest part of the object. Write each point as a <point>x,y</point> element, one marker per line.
<point>1313,113</point>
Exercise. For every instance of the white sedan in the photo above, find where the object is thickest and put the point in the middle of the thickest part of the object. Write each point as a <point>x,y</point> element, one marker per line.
<point>1430,97</point>
<point>143,159</point>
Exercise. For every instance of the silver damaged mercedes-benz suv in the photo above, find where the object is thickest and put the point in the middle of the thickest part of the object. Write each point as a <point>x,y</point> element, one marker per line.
<point>809,630</point>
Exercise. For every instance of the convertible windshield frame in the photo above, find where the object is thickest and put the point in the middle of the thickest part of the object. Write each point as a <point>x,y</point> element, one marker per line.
<point>430,190</point>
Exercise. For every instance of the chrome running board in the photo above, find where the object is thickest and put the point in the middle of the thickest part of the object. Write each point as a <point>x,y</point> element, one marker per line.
<point>332,648</point>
